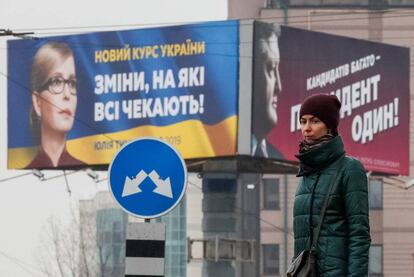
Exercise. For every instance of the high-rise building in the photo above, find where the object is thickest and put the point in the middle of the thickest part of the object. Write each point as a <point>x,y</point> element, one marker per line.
<point>175,241</point>
<point>102,243</point>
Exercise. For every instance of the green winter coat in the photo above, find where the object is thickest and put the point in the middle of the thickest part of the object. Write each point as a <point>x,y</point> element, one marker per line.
<point>344,241</point>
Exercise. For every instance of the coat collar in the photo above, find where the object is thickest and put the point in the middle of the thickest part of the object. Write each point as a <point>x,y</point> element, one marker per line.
<point>320,157</point>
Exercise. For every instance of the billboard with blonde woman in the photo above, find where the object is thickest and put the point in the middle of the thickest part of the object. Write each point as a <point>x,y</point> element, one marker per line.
<point>73,101</point>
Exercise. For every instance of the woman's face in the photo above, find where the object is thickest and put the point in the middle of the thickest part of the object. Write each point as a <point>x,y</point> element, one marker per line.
<point>56,103</point>
<point>312,128</point>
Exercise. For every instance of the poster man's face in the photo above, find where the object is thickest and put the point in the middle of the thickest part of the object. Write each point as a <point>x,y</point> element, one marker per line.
<point>267,83</point>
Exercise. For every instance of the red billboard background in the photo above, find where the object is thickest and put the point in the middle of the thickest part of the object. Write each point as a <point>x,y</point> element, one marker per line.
<point>370,79</point>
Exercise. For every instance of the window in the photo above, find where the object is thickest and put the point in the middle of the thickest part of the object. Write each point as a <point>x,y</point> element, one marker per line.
<point>117,237</point>
<point>117,232</point>
<point>271,194</point>
<point>277,4</point>
<point>375,194</point>
<point>116,254</point>
<point>175,244</point>
<point>375,260</point>
<point>107,237</point>
<point>100,239</point>
<point>116,226</point>
<point>270,259</point>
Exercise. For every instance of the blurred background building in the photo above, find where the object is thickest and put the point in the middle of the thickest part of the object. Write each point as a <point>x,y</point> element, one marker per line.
<point>391,204</point>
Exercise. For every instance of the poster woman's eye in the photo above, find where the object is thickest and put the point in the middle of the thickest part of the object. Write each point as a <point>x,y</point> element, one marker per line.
<point>56,85</point>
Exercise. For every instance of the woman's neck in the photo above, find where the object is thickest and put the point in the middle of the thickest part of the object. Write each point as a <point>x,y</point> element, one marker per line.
<point>53,143</point>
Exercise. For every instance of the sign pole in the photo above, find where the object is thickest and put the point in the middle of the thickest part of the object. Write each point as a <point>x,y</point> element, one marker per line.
<point>147,178</point>
<point>145,249</point>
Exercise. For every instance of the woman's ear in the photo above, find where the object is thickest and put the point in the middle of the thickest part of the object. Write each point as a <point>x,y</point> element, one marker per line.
<point>37,103</point>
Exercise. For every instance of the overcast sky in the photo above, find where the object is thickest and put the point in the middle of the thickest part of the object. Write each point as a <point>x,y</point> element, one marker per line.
<point>25,202</point>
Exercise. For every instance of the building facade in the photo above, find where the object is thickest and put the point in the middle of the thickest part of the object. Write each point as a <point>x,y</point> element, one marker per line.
<point>228,203</point>
<point>391,204</point>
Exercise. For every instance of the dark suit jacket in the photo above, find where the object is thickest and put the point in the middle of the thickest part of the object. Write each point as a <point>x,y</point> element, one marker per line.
<point>272,152</point>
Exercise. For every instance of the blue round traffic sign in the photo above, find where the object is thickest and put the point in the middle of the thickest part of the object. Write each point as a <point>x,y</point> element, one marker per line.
<point>147,177</point>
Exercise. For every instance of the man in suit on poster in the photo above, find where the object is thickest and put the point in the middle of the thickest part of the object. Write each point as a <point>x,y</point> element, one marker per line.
<point>266,87</point>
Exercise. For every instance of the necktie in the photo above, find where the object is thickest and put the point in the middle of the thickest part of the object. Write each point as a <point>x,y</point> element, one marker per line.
<point>259,151</point>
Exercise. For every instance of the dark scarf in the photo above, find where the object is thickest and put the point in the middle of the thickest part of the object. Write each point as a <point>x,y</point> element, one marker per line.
<point>305,146</point>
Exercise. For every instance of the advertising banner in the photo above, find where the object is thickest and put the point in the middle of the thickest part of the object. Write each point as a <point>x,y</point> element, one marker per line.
<point>370,79</point>
<point>75,100</point>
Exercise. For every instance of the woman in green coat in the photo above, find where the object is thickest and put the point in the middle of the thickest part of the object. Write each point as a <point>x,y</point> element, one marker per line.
<point>344,240</point>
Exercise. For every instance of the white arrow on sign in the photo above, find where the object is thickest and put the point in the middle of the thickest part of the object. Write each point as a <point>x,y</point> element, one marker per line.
<point>163,186</point>
<point>131,186</point>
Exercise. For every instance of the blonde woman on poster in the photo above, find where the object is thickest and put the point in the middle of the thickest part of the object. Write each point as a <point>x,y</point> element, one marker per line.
<point>54,96</point>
